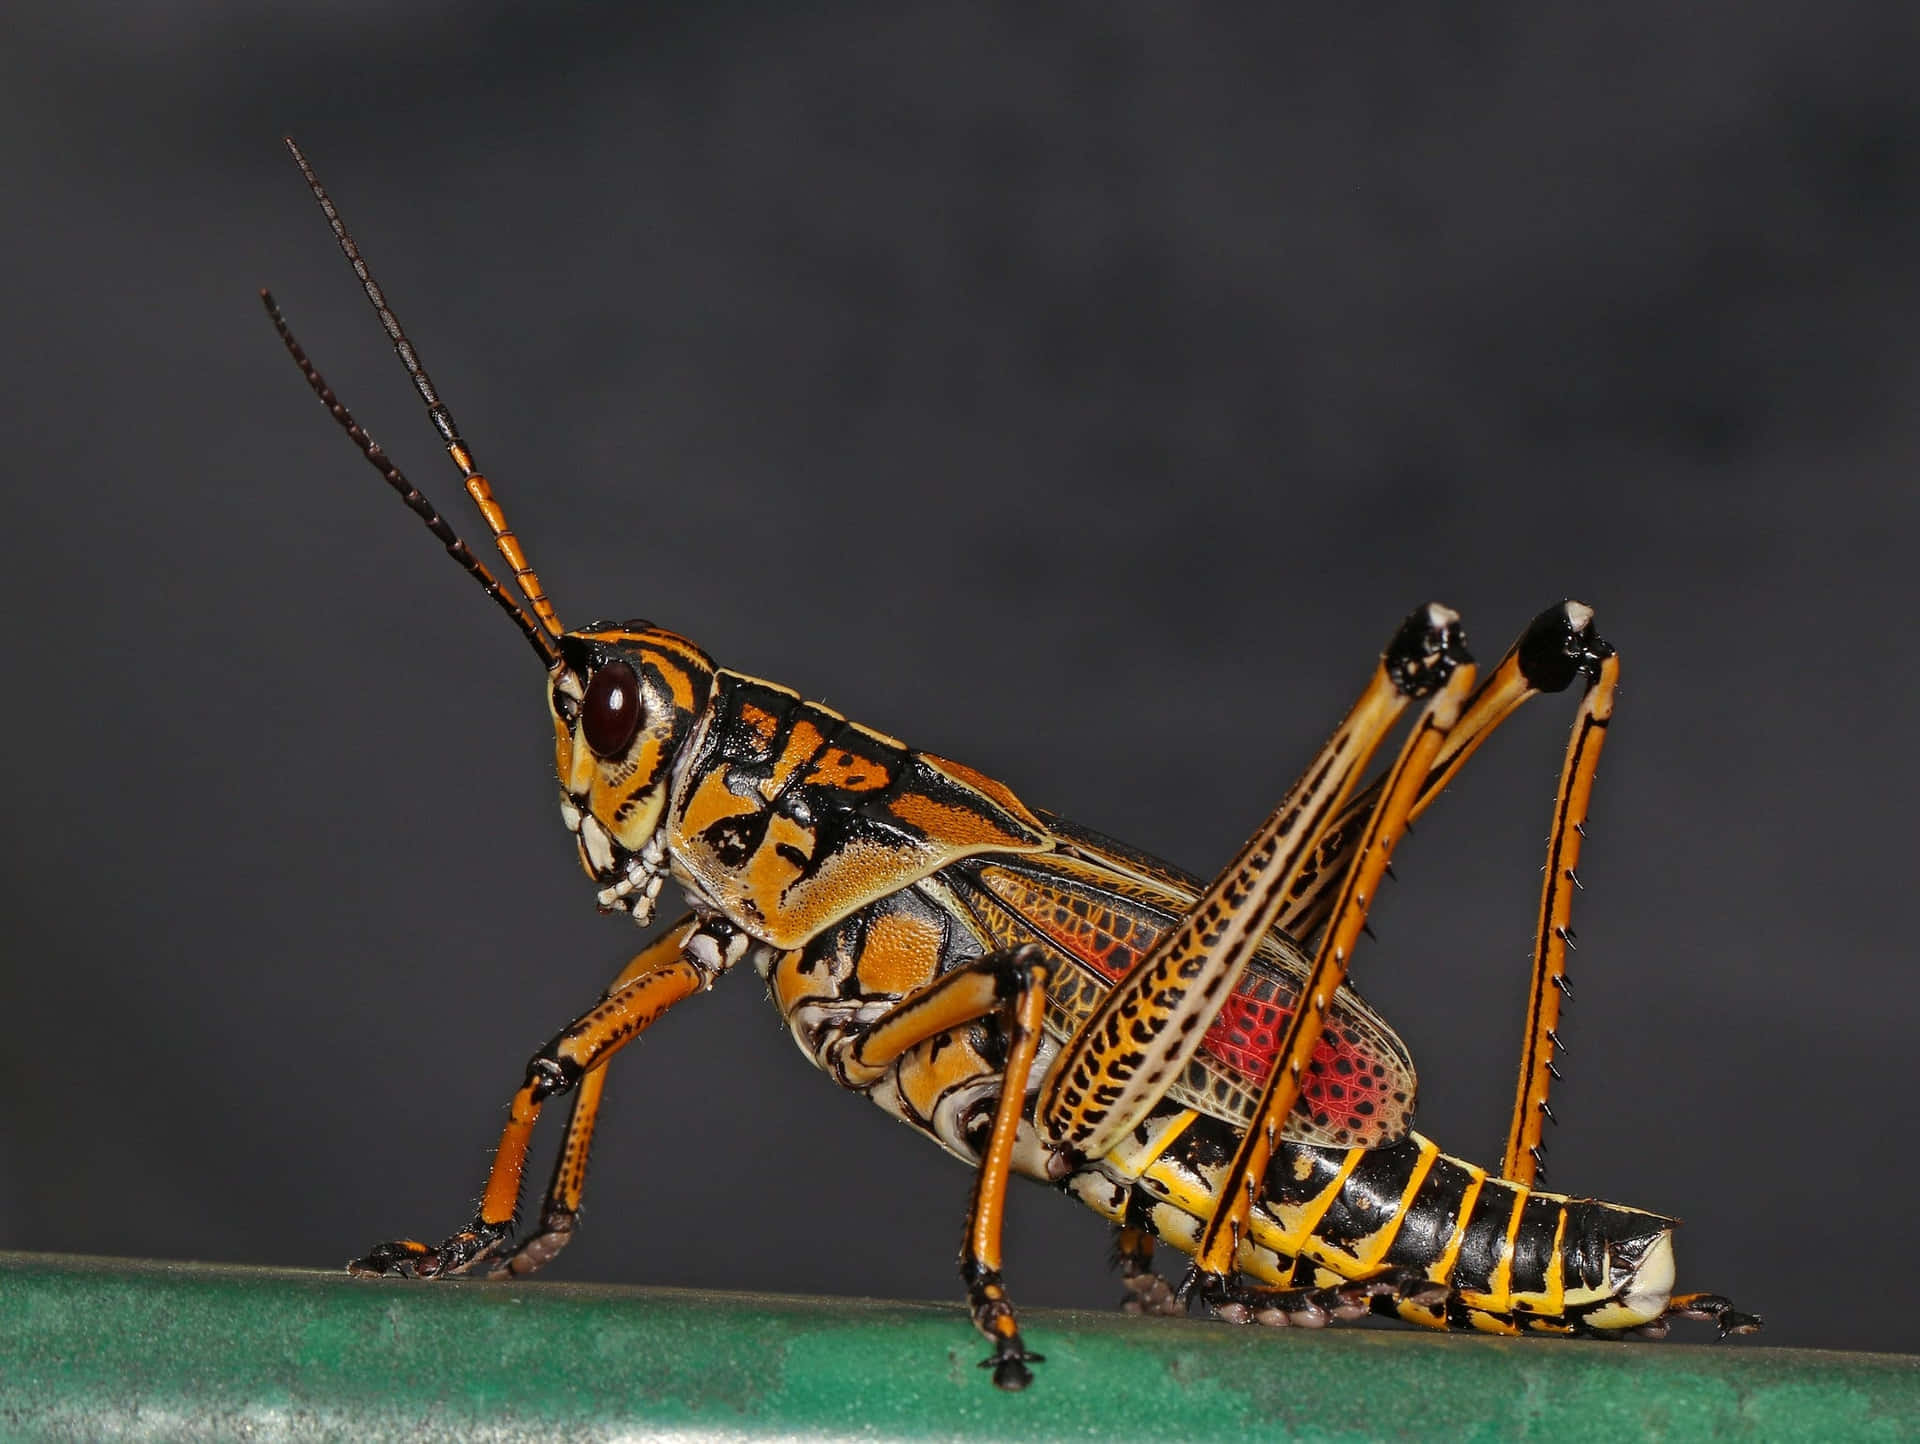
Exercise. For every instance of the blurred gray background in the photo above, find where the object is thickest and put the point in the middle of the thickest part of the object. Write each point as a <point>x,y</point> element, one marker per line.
<point>1084,393</point>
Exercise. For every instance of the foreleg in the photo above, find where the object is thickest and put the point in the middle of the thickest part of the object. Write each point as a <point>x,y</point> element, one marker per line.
<point>674,967</point>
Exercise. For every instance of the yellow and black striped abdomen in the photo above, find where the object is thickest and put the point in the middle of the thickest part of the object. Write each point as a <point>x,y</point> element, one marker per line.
<point>1513,1259</point>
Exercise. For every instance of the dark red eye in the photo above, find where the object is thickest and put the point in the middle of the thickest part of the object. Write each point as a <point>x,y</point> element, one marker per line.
<point>610,715</point>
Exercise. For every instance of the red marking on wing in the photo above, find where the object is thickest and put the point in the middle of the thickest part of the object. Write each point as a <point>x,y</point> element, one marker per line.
<point>1359,1088</point>
<point>1352,1086</point>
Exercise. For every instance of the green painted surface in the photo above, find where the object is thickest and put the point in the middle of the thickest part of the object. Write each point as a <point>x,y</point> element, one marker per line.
<point>105,1349</point>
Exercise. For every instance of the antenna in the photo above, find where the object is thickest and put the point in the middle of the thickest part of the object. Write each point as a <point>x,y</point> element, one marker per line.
<point>477,485</point>
<point>409,493</point>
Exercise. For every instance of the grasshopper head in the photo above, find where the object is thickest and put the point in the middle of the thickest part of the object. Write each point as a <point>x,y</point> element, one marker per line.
<point>625,698</point>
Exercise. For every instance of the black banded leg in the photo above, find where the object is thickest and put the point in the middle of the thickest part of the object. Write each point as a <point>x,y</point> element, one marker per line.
<point>658,977</point>
<point>1012,983</point>
<point>1553,934</point>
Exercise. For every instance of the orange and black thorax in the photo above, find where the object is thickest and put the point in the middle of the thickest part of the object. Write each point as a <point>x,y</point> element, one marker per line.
<point>794,824</point>
<point>787,817</point>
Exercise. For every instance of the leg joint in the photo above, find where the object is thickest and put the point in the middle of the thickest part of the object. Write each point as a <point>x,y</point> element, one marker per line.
<point>1026,966</point>
<point>1559,645</point>
<point>548,1074</point>
<point>1425,651</point>
<point>976,1275</point>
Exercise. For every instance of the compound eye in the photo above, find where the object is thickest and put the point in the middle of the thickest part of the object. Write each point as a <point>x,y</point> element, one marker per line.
<point>610,715</point>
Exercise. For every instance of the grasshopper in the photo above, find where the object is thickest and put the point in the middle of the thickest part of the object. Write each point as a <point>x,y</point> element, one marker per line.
<point>1182,1055</point>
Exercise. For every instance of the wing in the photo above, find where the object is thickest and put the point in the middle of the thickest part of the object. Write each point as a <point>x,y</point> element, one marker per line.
<point>1101,906</point>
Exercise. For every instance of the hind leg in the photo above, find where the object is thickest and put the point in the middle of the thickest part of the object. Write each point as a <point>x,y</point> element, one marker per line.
<point>1715,1309</point>
<point>1559,647</point>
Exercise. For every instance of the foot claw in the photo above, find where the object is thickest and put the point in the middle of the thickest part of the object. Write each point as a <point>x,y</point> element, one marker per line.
<point>405,1258</point>
<point>1715,1309</point>
<point>1735,1322</point>
<point>1009,1365</point>
<point>408,1258</point>
<point>1148,1293</point>
<point>538,1250</point>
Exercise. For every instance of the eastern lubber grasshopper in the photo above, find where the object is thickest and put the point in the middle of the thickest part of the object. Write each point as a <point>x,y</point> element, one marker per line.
<point>1039,999</point>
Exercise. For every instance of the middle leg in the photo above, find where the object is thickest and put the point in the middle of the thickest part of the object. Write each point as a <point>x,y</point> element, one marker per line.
<point>1012,983</point>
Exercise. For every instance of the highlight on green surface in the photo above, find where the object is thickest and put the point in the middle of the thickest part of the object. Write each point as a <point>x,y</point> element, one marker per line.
<point>116,1349</point>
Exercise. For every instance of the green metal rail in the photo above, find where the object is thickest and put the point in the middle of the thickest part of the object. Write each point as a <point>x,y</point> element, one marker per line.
<point>95,1349</point>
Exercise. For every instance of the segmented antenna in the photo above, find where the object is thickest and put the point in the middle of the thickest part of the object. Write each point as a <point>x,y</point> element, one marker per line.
<point>477,485</point>
<point>409,493</point>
